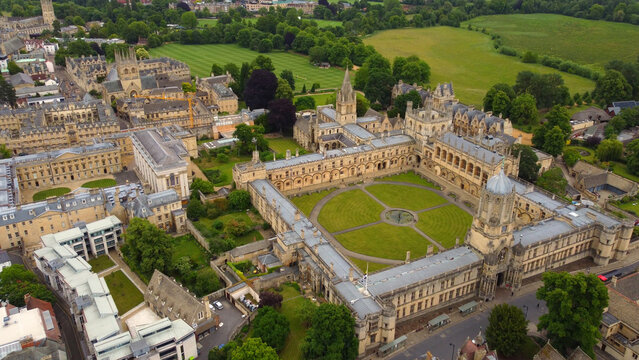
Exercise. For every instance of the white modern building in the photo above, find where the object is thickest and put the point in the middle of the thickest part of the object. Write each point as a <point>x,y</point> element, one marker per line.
<point>20,327</point>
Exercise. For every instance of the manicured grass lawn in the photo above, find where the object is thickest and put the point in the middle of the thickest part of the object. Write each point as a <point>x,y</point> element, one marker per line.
<point>201,57</point>
<point>102,183</point>
<point>249,237</point>
<point>226,169</point>
<point>125,294</point>
<point>372,267</point>
<point>406,197</point>
<point>445,224</point>
<point>41,195</point>
<point>622,170</point>
<point>326,23</point>
<point>632,206</point>
<point>306,203</point>
<point>409,177</point>
<point>187,246</point>
<point>587,158</point>
<point>100,263</point>
<point>320,99</point>
<point>566,37</point>
<point>203,22</point>
<point>291,304</point>
<point>385,241</point>
<point>473,65</point>
<point>280,145</point>
<point>349,209</point>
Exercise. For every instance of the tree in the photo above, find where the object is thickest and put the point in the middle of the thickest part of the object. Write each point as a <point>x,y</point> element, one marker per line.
<point>553,181</point>
<point>378,88</point>
<point>554,141</point>
<point>528,167</point>
<point>205,186</point>
<point>613,86</point>
<point>632,156</point>
<point>263,62</point>
<point>270,298</point>
<point>142,54</point>
<point>188,87</point>
<point>490,95</point>
<point>281,115</point>
<point>547,89</point>
<point>305,103</point>
<point>507,329</point>
<point>609,150</point>
<point>188,20</point>
<point>332,334</point>
<point>272,327</point>
<point>501,104</point>
<point>206,282</point>
<point>571,156</point>
<point>288,76</point>
<point>558,116</point>
<point>217,69</point>
<point>195,209</point>
<point>239,200</point>
<point>253,348</point>
<point>411,70</point>
<point>14,68</point>
<point>245,135</point>
<point>575,307</point>
<point>260,89</point>
<point>523,110</point>
<point>5,153</point>
<point>362,105</point>
<point>401,101</point>
<point>284,90</point>
<point>147,246</point>
<point>7,92</point>
<point>16,281</point>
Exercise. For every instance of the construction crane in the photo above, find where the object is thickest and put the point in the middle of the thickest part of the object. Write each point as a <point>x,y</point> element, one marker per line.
<point>189,99</point>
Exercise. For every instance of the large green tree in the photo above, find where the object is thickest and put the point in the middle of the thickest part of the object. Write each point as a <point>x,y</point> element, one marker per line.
<point>613,86</point>
<point>188,20</point>
<point>411,70</point>
<point>14,68</point>
<point>507,329</point>
<point>16,281</point>
<point>148,246</point>
<point>554,141</point>
<point>253,348</point>
<point>490,94</point>
<point>528,167</point>
<point>239,200</point>
<point>288,76</point>
<point>501,104</point>
<point>245,135</point>
<point>272,327</point>
<point>632,156</point>
<point>553,180</point>
<point>575,307</point>
<point>571,156</point>
<point>609,150</point>
<point>523,110</point>
<point>331,335</point>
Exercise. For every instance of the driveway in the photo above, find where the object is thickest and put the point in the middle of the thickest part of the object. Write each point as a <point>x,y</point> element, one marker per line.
<point>231,318</point>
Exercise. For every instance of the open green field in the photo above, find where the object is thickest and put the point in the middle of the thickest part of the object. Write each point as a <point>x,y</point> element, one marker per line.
<point>204,22</point>
<point>349,209</point>
<point>405,197</point>
<point>291,304</point>
<point>280,145</point>
<point>307,202</point>
<point>409,177</point>
<point>125,294</point>
<point>201,57</point>
<point>588,42</point>
<point>100,263</point>
<point>187,246</point>
<point>472,64</point>
<point>320,99</point>
<point>101,183</point>
<point>385,241</point>
<point>445,224</point>
<point>372,267</point>
<point>59,191</point>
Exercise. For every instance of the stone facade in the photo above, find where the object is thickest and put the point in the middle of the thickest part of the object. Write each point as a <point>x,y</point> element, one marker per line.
<point>25,27</point>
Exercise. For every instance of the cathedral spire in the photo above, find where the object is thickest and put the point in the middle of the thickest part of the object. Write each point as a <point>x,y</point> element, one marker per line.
<point>346,91</point>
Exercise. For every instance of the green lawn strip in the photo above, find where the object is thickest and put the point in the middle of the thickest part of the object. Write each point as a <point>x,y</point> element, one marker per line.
<point>587,158</point>
<point>565,37</point>
<point>445,224</point>
<point>59,191</point>
<point>349,209</point>
<point>372,267</point>
<point>101,263</point>
<point>320,99</point>
<point>201,57</point>
<point>280,145</point>
<point>125,294</point>
<point>307,202</point>
<point>249,237</point>
<point>385,241</point>
<point>291,304</point>
<point>101,183</point>
<point>405,197</point>
<point>203,22</point>
<point>622,170</point>
<point>631,206</point>
<point>226,169</point>
<point>187,246</point>
<point>409,177</point>
<point>472,65</point>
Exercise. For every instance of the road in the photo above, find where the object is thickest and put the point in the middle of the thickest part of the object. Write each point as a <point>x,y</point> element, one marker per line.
<point>231,318</point>
<point>439,343</point>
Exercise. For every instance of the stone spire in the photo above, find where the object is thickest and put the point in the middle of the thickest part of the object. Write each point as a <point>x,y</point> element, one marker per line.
<point>346,92</point>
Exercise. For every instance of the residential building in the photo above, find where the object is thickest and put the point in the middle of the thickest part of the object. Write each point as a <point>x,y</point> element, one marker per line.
<point>89,240</point>
<point>548,352</point>
<point>620,324</point>
<point>163,209</point>
<point>5,260</point>
<point>49,351</point>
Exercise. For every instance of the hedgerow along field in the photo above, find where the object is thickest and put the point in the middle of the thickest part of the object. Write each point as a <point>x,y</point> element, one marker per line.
<point>587,42</point>
<point>467,58</point>
<point>201,57</point>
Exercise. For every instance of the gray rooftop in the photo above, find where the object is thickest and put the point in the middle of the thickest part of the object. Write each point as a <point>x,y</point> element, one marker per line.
<point>471,149</point>
<point>540,232</point>
<point>358,131</point>
<point>162,151</point>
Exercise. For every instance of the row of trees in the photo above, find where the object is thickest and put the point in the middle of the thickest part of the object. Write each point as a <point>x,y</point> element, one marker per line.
<point>16,281</point>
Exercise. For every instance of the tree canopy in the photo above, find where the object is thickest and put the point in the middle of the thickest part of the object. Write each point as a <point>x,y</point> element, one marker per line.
<point>547,89</point>
<point>507,329</point>
<point>331,335</point>
<point>272,327</point>
<point>523,110</point>
<point>553,180</point>
<point>16,281</point>
<point>245,135</point>
<point>528,167</point>
<point>571,156</point>
<point>260,89</point>
<point>490,94</point>
<point>148,246</point>
<point>575,308</point>
<point>609,150</point>
<point>613,86</point>
<point>411,70</point>
<point>253,348</point>
<point>239,200</point>
<point>281,116</point>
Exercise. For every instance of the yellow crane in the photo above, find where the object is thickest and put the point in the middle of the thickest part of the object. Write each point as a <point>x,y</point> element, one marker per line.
<point>188,98</point>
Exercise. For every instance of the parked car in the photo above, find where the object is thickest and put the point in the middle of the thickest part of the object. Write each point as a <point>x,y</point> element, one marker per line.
<point>218,305</point>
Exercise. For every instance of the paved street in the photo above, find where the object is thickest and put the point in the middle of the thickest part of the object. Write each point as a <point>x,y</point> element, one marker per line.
<point>232,318</point>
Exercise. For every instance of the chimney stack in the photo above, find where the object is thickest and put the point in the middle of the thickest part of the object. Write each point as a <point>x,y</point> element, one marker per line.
<point>288,154</point>
<point>350,274</point>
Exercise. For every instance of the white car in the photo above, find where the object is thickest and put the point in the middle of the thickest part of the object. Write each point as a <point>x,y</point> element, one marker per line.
<point>218,305</point>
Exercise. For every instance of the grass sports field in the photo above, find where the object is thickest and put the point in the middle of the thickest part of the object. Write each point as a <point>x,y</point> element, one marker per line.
<point>445,224</point>
<point>125,294</point>
<point>349,209</point>
<point>307,202</point>
<point>405,197</point>
<point>201,57</point>
<point>566,37</point>
<point>472,64</point>
<point>41,195</point>
<point>280,145</point>
<point>385,241</point>
<point>320,22</point>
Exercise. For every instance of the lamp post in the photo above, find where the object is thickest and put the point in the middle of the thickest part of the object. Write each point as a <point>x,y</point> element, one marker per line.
<point>526,315</point>
<point>452,355</point>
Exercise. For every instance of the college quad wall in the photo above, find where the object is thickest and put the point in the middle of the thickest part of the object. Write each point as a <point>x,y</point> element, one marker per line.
<point>333,171</point>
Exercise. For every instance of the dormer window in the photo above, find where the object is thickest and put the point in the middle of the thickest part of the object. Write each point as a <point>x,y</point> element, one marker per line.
<point>11,216</point>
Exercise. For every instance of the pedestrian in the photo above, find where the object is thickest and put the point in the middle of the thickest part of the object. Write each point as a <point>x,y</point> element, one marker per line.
<point>537,305</point>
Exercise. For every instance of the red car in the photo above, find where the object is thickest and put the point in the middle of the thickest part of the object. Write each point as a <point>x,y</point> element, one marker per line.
<point>602,278</point>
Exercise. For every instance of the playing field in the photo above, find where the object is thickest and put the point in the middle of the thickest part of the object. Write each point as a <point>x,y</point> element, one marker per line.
<point>320,22</point>
<point>349,209</point>
<point>445,224</point>
<point>467,58</point>
<point>405,197</point>
<point>385,241</point>
<point>580,40</point>
<point>307,202</point>
<point>201,57</point>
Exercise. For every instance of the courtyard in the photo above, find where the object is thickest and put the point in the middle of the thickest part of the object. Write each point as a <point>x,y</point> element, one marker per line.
<point>377,223</point>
